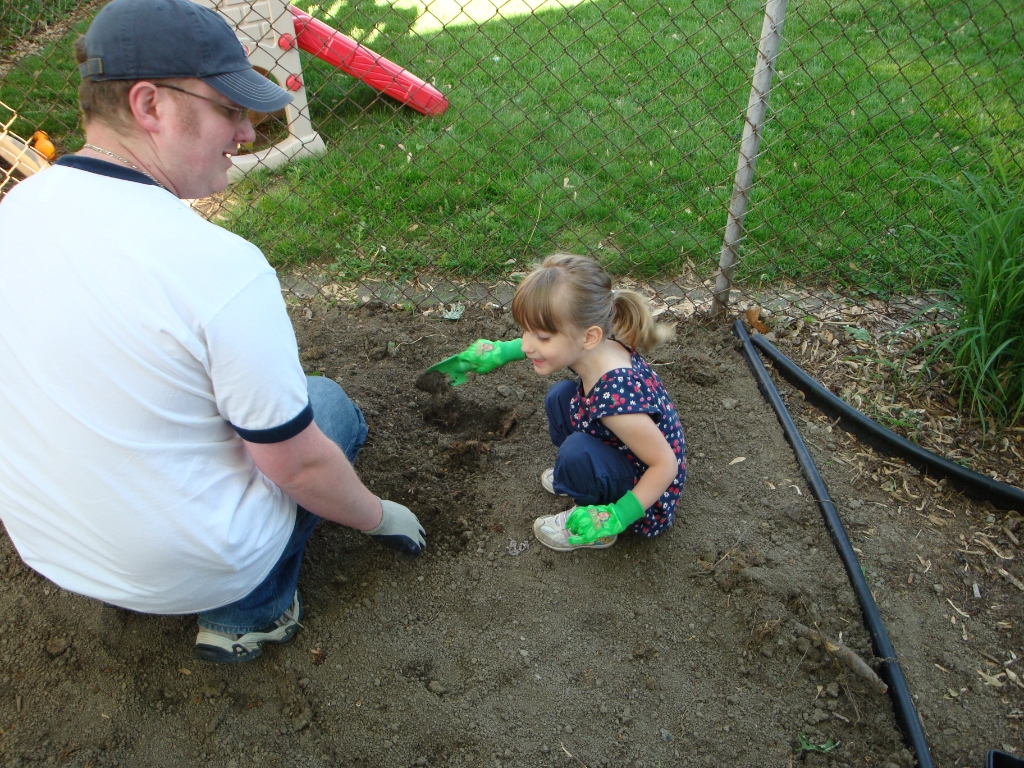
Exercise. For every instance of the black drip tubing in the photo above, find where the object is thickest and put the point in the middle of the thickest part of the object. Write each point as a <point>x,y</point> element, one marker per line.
<point>891,672</point>
<point>975,485</point>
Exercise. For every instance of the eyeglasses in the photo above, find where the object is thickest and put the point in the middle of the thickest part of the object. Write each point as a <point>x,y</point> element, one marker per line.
<point>238,114</point>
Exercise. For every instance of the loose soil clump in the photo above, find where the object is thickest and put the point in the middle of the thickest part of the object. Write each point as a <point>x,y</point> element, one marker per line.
<point>490,650</point>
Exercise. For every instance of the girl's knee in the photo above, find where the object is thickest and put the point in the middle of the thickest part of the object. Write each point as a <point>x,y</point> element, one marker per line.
<point>556,405</point>
<point>591,471</point>
<point>559,395</point>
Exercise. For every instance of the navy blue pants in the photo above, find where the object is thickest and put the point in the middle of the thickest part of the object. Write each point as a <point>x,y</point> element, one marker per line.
<point>587,470</point>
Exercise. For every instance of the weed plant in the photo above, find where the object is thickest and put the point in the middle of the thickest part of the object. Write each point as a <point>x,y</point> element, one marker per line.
<point>981,344</point>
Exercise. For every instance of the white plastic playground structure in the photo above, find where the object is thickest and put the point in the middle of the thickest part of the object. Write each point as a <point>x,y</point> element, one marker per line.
<point>266,30</point>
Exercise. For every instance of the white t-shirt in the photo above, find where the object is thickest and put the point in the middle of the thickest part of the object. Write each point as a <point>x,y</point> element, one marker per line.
<point>137,341</point>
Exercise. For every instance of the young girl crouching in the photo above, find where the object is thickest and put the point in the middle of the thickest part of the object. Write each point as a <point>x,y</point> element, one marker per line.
<point>621,451</point>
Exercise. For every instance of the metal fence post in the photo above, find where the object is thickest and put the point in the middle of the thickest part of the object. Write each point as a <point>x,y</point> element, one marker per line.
<point>764,69</point>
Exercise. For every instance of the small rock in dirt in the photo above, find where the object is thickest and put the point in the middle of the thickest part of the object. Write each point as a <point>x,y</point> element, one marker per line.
<point>768,650</point>
<point>938,589</point>
<point>903,758</point>
<point>420,761</point>
<point>435,687</point>
<point>568,729</point>
<point>504,390</point>
<point>665,735</point>
<point>855,503</point>
<point>55,646</point>
<point>794,513</point>
<point>702,378</point>
<point>214,722</point>
<point>832,689</point>
<point>213,688</point>
<point>650,683</point>
<point>729,403</point>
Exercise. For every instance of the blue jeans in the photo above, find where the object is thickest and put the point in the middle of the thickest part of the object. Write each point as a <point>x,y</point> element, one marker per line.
<point>342,421</point>
<point>587,470</point>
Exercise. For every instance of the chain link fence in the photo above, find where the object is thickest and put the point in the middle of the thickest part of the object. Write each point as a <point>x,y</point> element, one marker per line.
<point>610,128</point>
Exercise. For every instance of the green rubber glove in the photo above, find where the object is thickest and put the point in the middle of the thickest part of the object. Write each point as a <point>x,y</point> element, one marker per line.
<point>588,524</point>
<point>482,356</point>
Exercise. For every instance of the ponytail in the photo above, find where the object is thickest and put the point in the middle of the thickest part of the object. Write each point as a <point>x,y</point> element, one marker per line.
<point>633,324</point>
<point>574,289</point>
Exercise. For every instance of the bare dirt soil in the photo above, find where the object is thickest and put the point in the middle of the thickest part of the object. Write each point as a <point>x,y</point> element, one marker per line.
<point>490,650</point>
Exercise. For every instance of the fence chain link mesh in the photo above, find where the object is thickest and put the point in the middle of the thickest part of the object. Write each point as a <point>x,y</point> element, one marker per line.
<point>612,129</point>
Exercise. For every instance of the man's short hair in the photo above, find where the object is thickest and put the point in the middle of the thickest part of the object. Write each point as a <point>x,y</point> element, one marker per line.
<point>103,100</point>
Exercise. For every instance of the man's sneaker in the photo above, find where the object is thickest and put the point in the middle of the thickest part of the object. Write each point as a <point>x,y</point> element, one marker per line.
<point>547,479</point>
<point>233,649</point>
<point>552,533</point>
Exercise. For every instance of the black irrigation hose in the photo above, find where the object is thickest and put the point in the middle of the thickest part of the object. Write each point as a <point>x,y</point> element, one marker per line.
<point>891,672</point>
<point>973,484</point>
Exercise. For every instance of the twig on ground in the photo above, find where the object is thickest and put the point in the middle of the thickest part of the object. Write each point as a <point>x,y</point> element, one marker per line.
<point>730,550</point>
<point>982,539</point>
<point>991,658</point>
<point>856,709</point>
<point>415,341</point>
<point>1011,578</point>
<point>844,654</point>
<point>797,667</point>
<point>571,756</point>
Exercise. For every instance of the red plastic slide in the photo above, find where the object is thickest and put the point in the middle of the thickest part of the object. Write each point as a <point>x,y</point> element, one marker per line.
<point>350,57</point>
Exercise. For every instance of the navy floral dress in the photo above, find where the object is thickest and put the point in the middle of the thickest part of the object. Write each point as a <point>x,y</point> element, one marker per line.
<point>635,390</point>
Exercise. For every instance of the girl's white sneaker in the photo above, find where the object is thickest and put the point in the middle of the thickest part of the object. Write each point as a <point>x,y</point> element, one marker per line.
<point>552,533</point>
<point>547,479</point>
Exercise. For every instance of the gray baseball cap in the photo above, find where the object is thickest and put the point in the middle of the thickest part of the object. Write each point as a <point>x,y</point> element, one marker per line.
<point>143,39</point>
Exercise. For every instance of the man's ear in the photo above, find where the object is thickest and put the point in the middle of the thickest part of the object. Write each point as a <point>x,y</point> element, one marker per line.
<point>592,337</point>
<point>143,99</point>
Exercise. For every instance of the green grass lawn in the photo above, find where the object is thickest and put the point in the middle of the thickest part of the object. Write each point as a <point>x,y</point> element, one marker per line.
<point>20,19</point>
<point>612,129</point>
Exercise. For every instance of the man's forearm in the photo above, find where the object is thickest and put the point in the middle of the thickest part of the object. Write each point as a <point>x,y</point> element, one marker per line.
<point>314,472</point>
<point>332,490</point>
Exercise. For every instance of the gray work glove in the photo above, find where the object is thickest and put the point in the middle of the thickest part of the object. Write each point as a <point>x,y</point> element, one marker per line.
<point>399,529</point>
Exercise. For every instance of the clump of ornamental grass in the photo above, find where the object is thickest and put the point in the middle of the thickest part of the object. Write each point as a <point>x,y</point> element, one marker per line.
<point>980,343</point>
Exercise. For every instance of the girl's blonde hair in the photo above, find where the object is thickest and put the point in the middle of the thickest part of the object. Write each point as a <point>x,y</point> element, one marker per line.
<point>574,290</point>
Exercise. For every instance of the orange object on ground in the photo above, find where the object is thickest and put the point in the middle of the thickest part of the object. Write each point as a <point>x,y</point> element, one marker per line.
<point>350,57</point>
<point>41,143</point>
